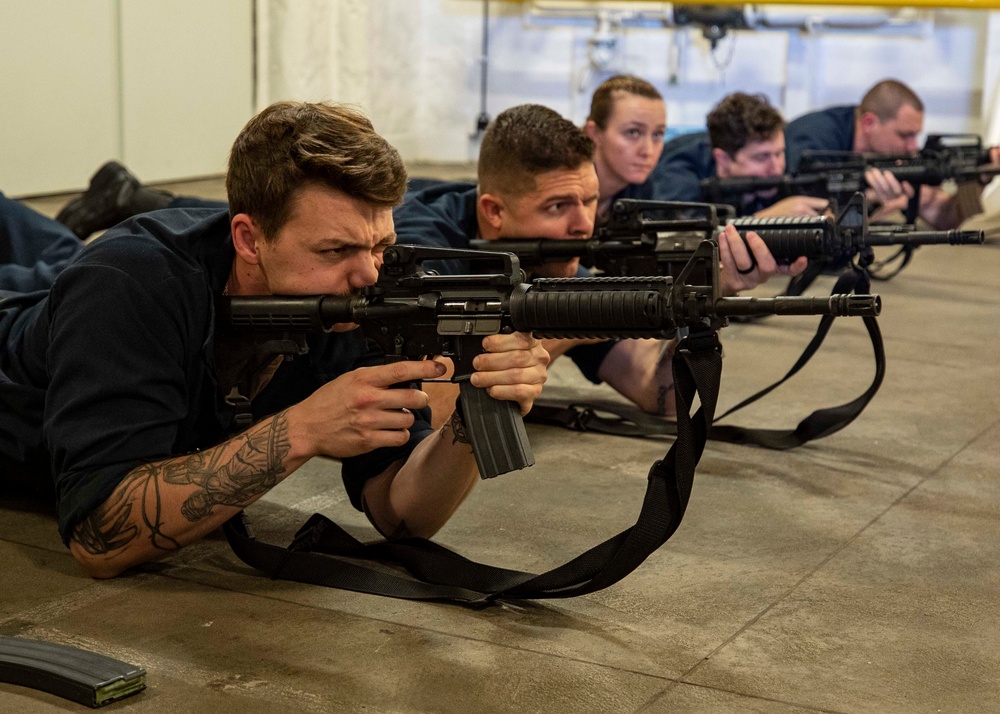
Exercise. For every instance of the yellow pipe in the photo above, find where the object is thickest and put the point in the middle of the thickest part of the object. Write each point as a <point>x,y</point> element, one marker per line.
<point>960,4</point>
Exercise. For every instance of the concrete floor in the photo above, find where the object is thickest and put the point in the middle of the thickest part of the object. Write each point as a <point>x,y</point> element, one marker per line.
<point>860,573</point>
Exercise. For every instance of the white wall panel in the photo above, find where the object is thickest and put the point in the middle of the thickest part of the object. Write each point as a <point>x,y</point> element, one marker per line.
<point>422,56</point>
<point>187,84</point>
<point>59,84</point>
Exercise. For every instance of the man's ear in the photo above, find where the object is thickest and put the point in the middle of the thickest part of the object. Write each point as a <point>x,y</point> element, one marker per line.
<point>245,236</point>
<point>492,211</point>
<point>591,129</point>
<point>866,123</point>
<point>723,163</point>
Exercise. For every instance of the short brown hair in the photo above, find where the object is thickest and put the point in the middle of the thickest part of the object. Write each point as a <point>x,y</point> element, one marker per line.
<point>293,144</point>
<point>740,119</point>
<point>602,104</point>
<point>886,98</point>
<point>527,140</point>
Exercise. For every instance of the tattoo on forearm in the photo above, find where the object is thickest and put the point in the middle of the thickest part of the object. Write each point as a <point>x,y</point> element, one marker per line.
<point>136,505</point>
<point>661,398</point>
<point>111,526</point>
<point>401,531</point>
<point>254,469</point>
<point>457,428</point>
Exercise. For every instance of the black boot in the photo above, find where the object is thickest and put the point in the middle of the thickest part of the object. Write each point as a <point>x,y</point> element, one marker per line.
<point>113,195</point>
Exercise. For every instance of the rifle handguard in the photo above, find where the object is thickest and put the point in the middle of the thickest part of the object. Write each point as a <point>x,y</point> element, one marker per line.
<point>496,431</point>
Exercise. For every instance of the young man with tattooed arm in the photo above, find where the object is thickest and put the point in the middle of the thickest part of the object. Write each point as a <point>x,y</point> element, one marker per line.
<point>113,384</point>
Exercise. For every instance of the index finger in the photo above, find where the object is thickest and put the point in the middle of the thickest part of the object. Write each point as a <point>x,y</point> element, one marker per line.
<point>766,263</point>
<point>500,342</point>
<point>732,249</point>
<point>385,375</point>
<point>819,205</point>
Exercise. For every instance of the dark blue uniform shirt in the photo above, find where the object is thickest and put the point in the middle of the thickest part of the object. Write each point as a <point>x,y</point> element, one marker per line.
<point>685,161</point>
<point>113,367</point>
<point>826,130</point>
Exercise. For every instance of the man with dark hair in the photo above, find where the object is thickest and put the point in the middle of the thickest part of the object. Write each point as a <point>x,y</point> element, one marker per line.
<point>537,180</point>
<point>745,137</point>
<point>114,382</point>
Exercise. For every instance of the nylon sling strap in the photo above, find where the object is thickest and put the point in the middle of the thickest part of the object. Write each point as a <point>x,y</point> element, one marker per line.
<point>819,423</point>
<point>320,549</point>
<point>880,270</point>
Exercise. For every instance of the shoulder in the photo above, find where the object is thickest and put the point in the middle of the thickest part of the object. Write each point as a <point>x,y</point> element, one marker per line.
<point>161,245</point>
<point>686,145</point>
<point>442,215</point>
<point>158,263</point>
<point>831,116</point>
<point>677,175</point>
<point>444,198</point>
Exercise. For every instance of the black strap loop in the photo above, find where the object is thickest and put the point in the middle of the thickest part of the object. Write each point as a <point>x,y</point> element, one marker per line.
<point>629,421</point>
<point>321,551</point>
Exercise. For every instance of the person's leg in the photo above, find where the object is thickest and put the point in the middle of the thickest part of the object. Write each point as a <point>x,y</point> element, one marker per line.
<point>33,247</point>
<point>113,195</point>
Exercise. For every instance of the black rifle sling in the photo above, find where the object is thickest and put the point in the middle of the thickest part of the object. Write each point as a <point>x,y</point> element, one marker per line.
<point>880,270</point>
<point>822,422</point>
<point>442,574</point>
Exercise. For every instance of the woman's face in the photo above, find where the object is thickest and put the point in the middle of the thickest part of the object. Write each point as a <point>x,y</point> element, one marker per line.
<point>629,146</point>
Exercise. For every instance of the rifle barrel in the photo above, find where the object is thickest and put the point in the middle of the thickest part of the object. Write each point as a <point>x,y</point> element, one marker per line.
<point>840,305</point>
<point>917,238</point>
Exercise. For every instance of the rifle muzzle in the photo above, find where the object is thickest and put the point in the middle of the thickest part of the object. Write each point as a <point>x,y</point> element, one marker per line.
<point>841,305</point>
<point>917,238</point>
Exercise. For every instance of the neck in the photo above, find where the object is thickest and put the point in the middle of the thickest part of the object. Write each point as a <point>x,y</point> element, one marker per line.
<point>858,147</point>
<point>608,183</point>
<point>244,279</point>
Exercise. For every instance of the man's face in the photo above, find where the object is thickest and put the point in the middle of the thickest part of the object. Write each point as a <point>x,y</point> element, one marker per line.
<point>893,136</point>
<point>758,158</point>
<point>331,244</point>
<point>562,206</point>
<point>631,144</point>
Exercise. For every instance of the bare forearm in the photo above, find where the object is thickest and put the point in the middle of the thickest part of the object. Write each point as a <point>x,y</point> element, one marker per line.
<point>443,396</point>
<point>159,507</point>
<point>938,208</point>
<point>642,370</point>
<point>418,498</point>
<point>559,347</point>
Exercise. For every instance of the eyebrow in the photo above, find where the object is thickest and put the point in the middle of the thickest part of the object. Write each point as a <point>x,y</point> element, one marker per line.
<point>387,239</point>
